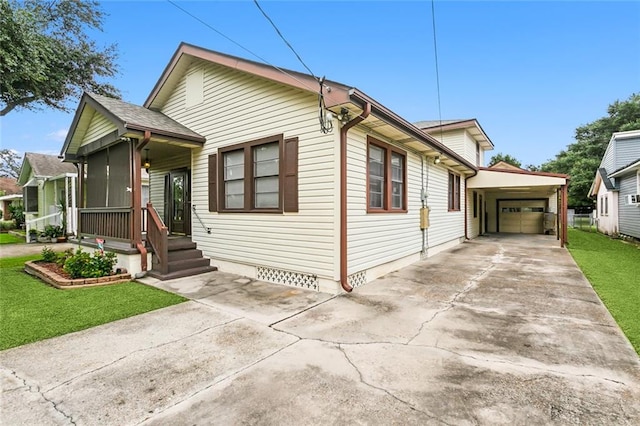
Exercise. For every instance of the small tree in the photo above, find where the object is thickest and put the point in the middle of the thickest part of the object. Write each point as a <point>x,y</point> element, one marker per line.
<point>47,57</point>
<point>506,158</point>
<point>9,162</point>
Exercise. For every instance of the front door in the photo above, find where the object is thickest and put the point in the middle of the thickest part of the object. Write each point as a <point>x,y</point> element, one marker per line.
<point>179,202</point>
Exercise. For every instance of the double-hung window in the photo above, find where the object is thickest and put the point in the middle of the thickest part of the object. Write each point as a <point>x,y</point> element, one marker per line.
<point>454,192</point>
<point>386,177</point>
<point>256,176</point>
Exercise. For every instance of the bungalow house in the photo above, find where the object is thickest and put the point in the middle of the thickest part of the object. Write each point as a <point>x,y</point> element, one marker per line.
<point>616,186</point>
<point>271,174</point>
<point>49,191</point>
<point>10,195</point>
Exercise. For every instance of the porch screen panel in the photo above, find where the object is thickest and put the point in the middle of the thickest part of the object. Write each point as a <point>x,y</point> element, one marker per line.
<point>96,188</point>
<point>119,175</point>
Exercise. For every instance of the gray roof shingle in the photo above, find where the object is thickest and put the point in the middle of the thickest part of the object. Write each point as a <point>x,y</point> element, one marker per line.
<point>48,165</point>
<point>139,117</point>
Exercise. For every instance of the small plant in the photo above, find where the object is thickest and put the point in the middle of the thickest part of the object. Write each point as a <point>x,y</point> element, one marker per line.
<point>48,255</point>
<point>52,231</point>
<point>62,257</point>
<point>83,265</point>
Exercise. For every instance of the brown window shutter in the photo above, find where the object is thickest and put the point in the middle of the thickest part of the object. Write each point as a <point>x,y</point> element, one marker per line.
<point>213,187</point>
<point>291,175</point>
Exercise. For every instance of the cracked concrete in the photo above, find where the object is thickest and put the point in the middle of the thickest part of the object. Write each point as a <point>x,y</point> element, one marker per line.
<point>495,331</point>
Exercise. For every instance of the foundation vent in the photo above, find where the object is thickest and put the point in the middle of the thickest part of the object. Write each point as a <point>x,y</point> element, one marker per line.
<point>358,279</point>
<point>294,279</point>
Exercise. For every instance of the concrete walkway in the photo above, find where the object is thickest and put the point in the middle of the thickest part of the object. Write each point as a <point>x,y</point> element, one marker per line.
<point>495,331</point>
<point>17,250</point>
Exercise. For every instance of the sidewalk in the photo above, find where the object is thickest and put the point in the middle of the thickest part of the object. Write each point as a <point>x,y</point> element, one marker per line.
<point>24,249</point>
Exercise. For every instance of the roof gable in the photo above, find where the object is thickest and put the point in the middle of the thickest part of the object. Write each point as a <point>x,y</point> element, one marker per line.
<point>503,165</point>
<point>334,93</point>
<point>126,118</point>
<point>469,124</point>
<point>43,165</point>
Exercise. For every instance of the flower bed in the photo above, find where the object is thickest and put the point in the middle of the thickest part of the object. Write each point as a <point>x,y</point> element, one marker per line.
<point>52,274</point>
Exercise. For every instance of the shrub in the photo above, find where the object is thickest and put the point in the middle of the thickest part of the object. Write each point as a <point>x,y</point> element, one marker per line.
<point>7,225</point>
<point>62,257</point>
<point>48,255</point>
<point>17,214</point>
<point>84,265</point>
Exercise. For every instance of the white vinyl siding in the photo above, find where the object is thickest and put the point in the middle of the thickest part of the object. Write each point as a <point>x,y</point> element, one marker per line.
<point>378,238</point>
<point>239,108</point>
<point>100,126</point>
<point>469,150</point>
<point>444,226</point>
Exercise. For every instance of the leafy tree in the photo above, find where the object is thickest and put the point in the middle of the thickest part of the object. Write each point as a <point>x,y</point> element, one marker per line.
<point>582,158</point>
<point>47,56</point>
<point>9,163</point>
<point>506,158</point>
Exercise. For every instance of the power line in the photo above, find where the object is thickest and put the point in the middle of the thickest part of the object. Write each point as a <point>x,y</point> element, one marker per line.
<point>242,47</point>
<point>283,38</point>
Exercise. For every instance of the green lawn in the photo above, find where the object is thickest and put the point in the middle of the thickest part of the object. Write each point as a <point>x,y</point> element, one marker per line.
<point>10,239</point>
<point>31,310</point>
<point>612,268</point>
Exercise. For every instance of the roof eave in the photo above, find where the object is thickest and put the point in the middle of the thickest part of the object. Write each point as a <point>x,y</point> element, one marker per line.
<point>394,120</point>
<point>335,93</point>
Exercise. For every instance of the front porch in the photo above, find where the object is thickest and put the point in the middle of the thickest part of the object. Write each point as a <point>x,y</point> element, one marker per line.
<point>111,153</point>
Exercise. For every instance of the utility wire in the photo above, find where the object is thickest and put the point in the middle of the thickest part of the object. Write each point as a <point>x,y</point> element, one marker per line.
<point>283,38</point>
<point>435,52</point>
<point>242,47</point>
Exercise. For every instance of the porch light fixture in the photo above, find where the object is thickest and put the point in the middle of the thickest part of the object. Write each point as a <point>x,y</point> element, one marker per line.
<point>436,160</point>
<point>343,117</point>
<point>147,164</point>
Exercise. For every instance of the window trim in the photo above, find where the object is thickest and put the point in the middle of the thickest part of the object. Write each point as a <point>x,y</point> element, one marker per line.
<point>249,178</point>
<point>387,188</point>
<point>453,193</point>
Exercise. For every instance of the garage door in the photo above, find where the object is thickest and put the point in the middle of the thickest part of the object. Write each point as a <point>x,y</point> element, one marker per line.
<point>521,216</point>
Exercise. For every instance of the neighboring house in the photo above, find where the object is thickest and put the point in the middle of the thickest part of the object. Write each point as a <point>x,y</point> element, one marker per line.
<point>616,186</point>
<point>238,165</point>
<point>10,194</point>
<point>49,191</point>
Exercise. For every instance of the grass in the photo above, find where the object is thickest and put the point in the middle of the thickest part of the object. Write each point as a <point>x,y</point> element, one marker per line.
<point>612,268</point>
<point>10,239</point>
<point>31,310</point>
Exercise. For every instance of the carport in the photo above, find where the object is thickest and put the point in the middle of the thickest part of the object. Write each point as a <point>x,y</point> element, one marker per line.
<point>520,201</point>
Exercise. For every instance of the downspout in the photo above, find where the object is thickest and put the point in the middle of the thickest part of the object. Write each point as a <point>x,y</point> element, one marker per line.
<point>466,200</point>
<point>343,194</point>
<point>137,200</point>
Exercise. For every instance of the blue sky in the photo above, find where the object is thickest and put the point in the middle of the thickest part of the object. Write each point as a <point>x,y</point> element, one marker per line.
<point>530,72</point>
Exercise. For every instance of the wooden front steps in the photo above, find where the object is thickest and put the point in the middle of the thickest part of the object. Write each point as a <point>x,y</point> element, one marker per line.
<point>184,260</point>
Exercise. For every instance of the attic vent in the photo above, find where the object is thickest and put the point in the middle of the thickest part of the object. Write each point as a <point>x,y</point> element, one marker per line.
<point>194,88</point>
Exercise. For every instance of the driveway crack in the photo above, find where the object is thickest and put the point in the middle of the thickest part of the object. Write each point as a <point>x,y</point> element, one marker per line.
<point>471,284</point>
<point>402,401</point>
<point>36,389</point>
<point>66,382</point>
<point>532,367</point>
<point>222,379</point>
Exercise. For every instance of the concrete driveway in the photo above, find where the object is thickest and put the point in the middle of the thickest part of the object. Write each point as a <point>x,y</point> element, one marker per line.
<point>495,331</point>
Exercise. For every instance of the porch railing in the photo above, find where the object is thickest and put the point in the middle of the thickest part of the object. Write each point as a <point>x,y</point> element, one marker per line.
<point>158,238</point>
<point>101,222</point>
<point>40,223</point>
